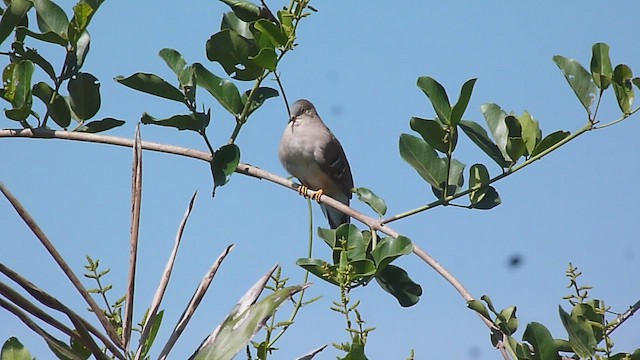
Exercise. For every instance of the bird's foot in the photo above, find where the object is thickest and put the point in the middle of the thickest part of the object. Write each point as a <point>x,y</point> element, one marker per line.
<point>302,190</point>
<point>317,195</point>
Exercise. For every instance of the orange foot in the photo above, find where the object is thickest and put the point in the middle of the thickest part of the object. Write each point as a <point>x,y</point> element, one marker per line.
<point>302,190</point>
<point>317,195</point>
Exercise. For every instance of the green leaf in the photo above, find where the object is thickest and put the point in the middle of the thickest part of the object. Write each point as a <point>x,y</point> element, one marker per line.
<point>422,157</point>
<point>238,329</point>
<point>320,268</point>
<point>355,243</point>
<point>478,178</point>
<point>260,95</point>
<point>495,118</point>
<point>636,81</point>
<point>17,81</point>
<point>177,64</point>
<point>58,108</point>
<point>361,269</point>
<point>51,18</point>
<point>490,200</point>
<point>328,236</point>
<point>375,202</point>
<point>594,317</point>
<point>157,321</point>
<point>549,141</point>
<point>601,69</point>
<point>49,37</point>
<point>579,79</point>
<point>224,163</point>
<point>438,97</point>
<point>80,349</point>
<point>478,306</point>
<point>479,136</point>
<point>40,61</point>
<point>623,87</point>
<point>100,125</point>
<point>286,23</point>
<point>456,178</point>
<point>389,249</point>
<point>463,101</point>
<point>245,10</point>
<point>232,22</point>
<point>12,349</point>
<point>397,282</point>
<point>531,134</point>
<point>84,93</point>
<point>83,12</point>
<point>12,16</point>
<point>515,144</point>
<point>356,351</point>
<point>221,89</point>
<point>180,122</point>
<point>580,335</point>
<point>151,84</point>
<point>234,52</point>
<point>275,34</point>
<point>432,132</point>
<point>266,58</point>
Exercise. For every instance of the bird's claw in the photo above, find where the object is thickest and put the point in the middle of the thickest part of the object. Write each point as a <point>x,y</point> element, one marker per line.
<point>302,190</point>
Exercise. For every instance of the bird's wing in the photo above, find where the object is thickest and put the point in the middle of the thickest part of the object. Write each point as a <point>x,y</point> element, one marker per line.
<point>334,163</point>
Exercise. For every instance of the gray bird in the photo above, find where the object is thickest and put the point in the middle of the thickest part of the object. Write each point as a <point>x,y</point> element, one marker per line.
<point>311,153</point>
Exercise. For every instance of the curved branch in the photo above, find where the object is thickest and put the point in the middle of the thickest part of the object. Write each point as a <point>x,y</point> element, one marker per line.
<point>244,169</point>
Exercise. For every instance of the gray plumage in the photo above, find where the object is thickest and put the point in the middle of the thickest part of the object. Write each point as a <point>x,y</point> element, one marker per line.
<point>311,153</point>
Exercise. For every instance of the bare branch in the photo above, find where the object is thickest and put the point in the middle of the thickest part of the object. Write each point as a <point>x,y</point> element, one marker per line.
<point>193,304</point>
<point>136,196</point>
<point>164,281</point>
<point>31,223</point>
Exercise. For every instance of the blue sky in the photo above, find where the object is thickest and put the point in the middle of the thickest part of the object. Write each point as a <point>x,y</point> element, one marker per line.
<point>358,62</point>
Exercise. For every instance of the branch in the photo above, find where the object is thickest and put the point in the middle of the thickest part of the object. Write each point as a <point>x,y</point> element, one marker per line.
<point>31,223</point>
<point>247,170</point>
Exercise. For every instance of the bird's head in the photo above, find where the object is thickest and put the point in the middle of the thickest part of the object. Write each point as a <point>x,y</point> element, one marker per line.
<point>301,108</point>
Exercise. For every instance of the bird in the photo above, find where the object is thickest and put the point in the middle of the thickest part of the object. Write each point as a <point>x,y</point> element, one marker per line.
<point>310,152</point>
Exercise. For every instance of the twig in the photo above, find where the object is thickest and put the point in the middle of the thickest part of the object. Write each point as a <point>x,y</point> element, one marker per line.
<point>31,223</point>
<point>164,281</point>
<point>193,304</point>
<point>624,317</point>
<point>136,196</point>
<point>53,303</point>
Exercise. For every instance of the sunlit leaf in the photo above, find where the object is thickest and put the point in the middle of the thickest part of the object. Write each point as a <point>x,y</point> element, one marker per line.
<point>221,89</point>
<point>375,202</point>
<point>478,178</point>
<point>266,58</point>
<point>495,118</point>
<point>389,249</point>
<point>580,335</point>
<point>51,18</point>
<point>245,10</point>
<point>579,79</point>
<point>49,37</point>
<point>422,157</point>
<point>438,97</point>
<point>531,134</point>
<point>601,69</point>
<point>623,87</point>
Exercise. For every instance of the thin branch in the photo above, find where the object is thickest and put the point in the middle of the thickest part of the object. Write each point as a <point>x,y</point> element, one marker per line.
<point>136,197</point>
<point>247,170</point>
<point>624,317</point>
<point>164,281</point>
<point>51,302</point>
<point>193,304</point>
<point>31,223</point>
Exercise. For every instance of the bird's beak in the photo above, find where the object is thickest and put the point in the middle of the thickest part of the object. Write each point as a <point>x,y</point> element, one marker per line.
<point>292,118</point>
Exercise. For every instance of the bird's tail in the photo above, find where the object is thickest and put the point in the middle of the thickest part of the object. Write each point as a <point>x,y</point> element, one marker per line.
<point>335,217</point>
